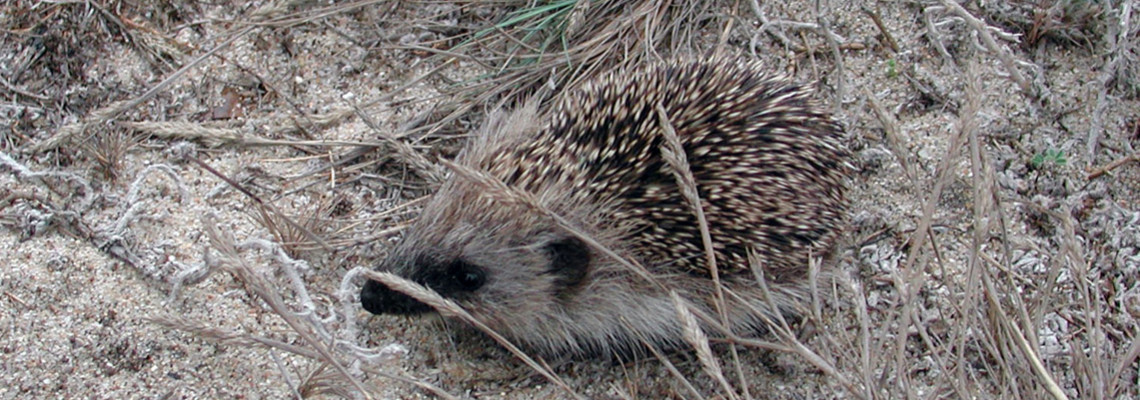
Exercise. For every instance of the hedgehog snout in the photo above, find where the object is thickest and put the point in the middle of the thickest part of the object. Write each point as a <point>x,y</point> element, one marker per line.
<point>378,299</point>
<point>452,280</point>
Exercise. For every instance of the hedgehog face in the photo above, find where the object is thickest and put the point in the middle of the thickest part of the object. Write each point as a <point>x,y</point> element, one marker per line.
<point>491,269</point>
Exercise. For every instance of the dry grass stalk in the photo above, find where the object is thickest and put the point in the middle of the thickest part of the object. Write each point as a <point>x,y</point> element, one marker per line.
<point>262,205</point>
<point>688,385</point>
<point>257,285</point>
<point>510,197</point>
<point>101,116</point>
<point>536,50</point>
<point>224,336</point>
<point>295,240</point>
<point>886,33</point>
<point>909,283</point>
<point>988,40</point>
<point>321,379</point>
<point>780,328</point>
<point>1094,371</point>
<point>1096,173</point>
<point>304,324</point>
<point>45,177</point>
<point>448,308</point>
<point>891,132</point>
<point>984,188</point>
<point>696,338</point>
<point>404,153</point>
<point>177,130</point>
<point>1121,69</point>
<point>674,155</point>
<point>935,39</point>
<point>107,148</point>
<point>272,14</point>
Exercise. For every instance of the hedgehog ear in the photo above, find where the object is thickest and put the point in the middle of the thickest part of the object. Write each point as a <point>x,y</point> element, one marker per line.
<point>569,261</point>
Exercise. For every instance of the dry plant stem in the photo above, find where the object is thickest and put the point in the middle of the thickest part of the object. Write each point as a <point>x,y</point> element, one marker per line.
<point>180,130</point>
<point>1117,39</point>
<point>624,35</point>
<point>511,196</point>
<point>980,223</point>
<point>262,289</point>
<point>757,344</point>
<point>887,37</point>
<point>674,154</point>
<point>695,337</point>
<point>1096,126</point>
<point>909,285</point>
<point>430,171</point>
<point>264,206</point>
<point>285,375</point>
<point>833,41</point>
<point>961,389</point>
<point>983,178</point>
<point>228,337</point>
<point>811,57</point>
<point>934,38</point>
<point>24,172</point>
<point>1072,251</point>
<point>1113,165</point>
<point>983,31</point>
<point>114,110</point>
<point>622,393</point>
<point>764,23</point>
<point>450,309</point>
<point>814,267</point>
<point>718,51</point>
<point>274,14</point>
<point>22,92</point>
<point>668,365</point>
<point>783,331</point>
<point>1123,365</point>
<point>1026,348</point>
<point>404,152</point>
<point>891,131</point>
<point>864,338</point>
<point>218,136</point>
<point>981,233</point>
<point>388,212</point>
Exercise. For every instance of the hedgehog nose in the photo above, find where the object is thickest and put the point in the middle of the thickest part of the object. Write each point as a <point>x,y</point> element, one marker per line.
<point>378,299</point>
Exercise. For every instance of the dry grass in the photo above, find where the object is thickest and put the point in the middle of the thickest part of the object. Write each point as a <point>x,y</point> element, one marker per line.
<point>950,300</point>
<point>537,50</point>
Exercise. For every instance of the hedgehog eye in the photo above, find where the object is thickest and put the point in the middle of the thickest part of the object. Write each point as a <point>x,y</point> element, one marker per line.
<point>569,259</point>
<point>467,277</point>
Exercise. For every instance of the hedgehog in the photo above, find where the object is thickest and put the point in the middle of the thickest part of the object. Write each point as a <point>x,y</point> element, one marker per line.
<point>554,275</point>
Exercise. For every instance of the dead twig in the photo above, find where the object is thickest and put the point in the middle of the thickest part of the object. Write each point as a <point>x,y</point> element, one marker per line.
<point>1096,173</point>
<point>888,39</point>
<point>991,44</point>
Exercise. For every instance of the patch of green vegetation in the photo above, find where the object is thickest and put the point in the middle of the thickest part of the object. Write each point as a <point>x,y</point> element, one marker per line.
<point>1049,157</point>
<point>550,18</point>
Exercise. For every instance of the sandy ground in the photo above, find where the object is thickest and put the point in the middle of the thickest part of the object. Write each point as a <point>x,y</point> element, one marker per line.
<point>93,254</point>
